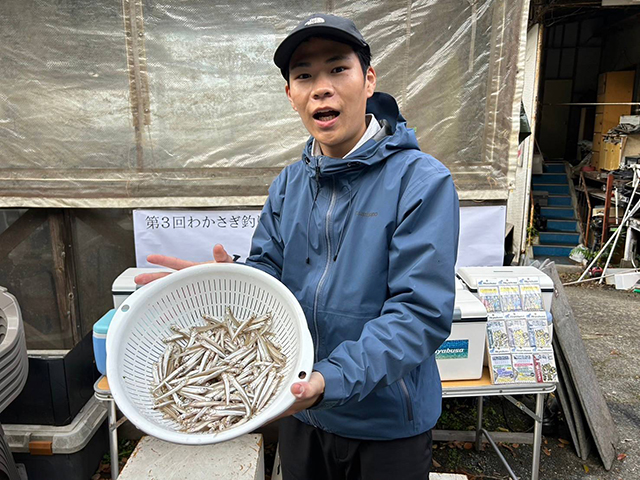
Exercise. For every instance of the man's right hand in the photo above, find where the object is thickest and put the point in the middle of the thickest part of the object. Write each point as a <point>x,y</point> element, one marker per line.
<point>220,255</point>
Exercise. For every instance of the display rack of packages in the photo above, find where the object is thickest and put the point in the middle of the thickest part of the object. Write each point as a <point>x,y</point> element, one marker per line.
<point>519,322</point>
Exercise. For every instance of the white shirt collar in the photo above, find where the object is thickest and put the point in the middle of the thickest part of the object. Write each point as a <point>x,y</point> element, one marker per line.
<point>372,129</point>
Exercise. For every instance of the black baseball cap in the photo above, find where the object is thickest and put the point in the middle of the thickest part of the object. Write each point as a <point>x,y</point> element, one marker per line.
<point>318,24</point>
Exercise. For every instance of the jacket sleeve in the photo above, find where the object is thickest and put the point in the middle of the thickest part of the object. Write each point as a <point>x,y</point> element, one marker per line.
<point>267,248</point>
<point>417,316</point>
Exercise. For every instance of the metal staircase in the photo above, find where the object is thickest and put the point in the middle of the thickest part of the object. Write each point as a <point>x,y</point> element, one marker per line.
<point>562,233</point>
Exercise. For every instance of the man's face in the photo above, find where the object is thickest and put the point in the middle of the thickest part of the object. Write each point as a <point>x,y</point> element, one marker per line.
<point>329,91</point>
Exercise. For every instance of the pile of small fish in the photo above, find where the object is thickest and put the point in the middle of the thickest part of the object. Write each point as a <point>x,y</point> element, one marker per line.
<point>218,375</point>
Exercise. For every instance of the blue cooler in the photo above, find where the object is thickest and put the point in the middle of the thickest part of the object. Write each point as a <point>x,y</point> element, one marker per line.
<point>100,329</point>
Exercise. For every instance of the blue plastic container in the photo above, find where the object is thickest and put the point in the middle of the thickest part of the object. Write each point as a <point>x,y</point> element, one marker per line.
<point>100,329</point>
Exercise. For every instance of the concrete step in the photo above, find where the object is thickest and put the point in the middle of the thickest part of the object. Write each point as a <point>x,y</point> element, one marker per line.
<point>154,459</point>
<point>559,238</point>
<point>558,225</point>
<point>555,189</point>
<point>447,476</point>
<point>552,250</point>
<point>558,212</point>
<point>553,168</point>
<point>559,201</point>
<point>549,178</point>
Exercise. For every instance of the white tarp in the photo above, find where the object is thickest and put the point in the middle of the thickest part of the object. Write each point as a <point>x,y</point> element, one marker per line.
<point>178,104</point>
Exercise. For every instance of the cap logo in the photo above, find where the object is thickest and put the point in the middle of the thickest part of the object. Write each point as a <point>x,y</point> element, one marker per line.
<point>314,21</point>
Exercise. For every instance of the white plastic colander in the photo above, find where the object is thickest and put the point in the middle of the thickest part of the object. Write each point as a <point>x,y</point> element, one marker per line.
<point>134,340</point>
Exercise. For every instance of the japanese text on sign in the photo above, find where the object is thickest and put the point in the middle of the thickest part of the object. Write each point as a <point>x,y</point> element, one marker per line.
<point>154,222</point>
<point>191,235</point>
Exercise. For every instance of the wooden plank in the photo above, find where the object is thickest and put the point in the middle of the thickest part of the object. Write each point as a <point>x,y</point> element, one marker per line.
<point>568,413</point>
<point>20,230</point>
<point>64,274</point>
<point>582,435</point>
<point>470,436</point>
<point>592,401</point>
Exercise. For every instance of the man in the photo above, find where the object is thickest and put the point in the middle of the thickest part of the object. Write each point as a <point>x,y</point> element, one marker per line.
<point>364,231</point>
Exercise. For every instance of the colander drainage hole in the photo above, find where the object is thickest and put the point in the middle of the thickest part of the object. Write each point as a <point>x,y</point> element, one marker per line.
<point>125,308</point>
<point>302,375</point>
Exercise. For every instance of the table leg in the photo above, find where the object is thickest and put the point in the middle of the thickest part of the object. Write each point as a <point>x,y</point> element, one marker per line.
<point>499,453</point>
<point>479,426</point>
<point>113,439</point>
<point>537,436</point>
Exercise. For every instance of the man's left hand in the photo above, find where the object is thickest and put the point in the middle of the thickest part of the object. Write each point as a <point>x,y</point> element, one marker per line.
<point>306,393</point>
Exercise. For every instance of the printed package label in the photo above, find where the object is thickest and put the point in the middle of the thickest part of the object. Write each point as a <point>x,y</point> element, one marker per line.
<point>523,368</point>
<point>453,349</point>
<point>545,367</point>
<point>502,369</point>
<point>497,337</point>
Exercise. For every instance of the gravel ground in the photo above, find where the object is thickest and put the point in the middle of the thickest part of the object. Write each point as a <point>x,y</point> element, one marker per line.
<point>609,322</point>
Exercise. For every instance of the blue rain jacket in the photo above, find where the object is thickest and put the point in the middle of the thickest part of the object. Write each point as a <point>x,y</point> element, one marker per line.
<point>368,244</point>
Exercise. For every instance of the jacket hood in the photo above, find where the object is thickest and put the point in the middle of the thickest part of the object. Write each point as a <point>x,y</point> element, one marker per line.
<point>393,137</point>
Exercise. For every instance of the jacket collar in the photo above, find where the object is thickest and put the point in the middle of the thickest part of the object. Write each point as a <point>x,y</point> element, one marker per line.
<point>393,136</point>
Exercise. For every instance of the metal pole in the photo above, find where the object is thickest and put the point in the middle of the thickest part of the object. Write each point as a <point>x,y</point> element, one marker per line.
<point>113,439</point>
<point>621,226</point>
<point>537,436</point>
<point>624,221</point>
<point>607,207</point>
<point>479,426</point>
<point>500,456</point>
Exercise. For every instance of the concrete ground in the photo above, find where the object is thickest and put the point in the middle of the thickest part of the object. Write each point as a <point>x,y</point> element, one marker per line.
<point>609,321</point>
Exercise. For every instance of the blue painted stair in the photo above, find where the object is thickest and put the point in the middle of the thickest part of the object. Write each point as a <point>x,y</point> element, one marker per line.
<point>562,232</point>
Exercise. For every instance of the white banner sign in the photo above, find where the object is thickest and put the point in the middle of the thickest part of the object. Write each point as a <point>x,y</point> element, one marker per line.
<point>481,241</point>
<point>191,234</point>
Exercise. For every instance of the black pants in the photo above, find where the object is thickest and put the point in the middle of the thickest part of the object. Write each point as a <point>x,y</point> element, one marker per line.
<point>308,453</point>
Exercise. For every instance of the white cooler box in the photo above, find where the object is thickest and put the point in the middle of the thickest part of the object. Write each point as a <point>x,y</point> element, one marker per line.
<point>471,276</point>
<point>123,286</point>
<point>461,355</point>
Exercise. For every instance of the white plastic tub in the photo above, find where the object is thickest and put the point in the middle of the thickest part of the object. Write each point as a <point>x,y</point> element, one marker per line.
<point>123,285</point>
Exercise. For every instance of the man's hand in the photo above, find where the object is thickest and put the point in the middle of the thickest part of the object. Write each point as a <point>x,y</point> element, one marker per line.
<point>220,255</point>
<point>306,393</point>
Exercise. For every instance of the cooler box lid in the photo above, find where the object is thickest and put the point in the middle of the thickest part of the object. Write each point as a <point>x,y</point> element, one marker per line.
<point>468,308</point>
<point>102,326</point>
<point>472,275</point>
<point>124,284</point>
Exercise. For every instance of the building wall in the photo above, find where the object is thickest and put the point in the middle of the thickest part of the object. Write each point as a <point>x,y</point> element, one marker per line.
<point>518,205</point>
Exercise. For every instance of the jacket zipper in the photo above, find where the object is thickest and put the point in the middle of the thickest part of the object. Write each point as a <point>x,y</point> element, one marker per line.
<point>326,268</point>
<point>312,419</point>
<point>407,398</point>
